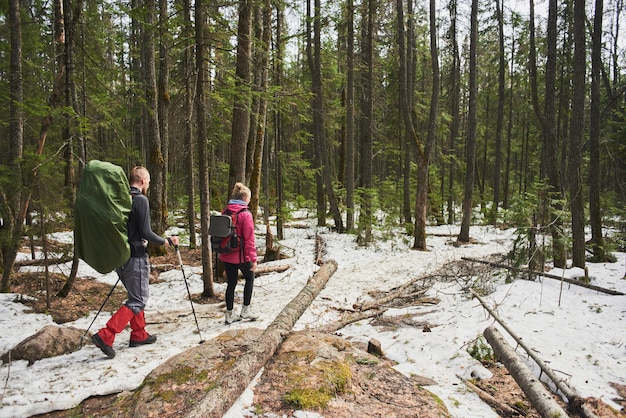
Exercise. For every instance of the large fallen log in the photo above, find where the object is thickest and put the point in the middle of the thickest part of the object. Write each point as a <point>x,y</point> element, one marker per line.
<point>234,381</point>
<point>546,275</point>
<point>537,394</point>
<point>576,402</point>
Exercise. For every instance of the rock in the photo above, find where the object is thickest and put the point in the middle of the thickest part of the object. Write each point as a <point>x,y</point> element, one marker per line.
<point>50,341</point>
<point>374,347</point>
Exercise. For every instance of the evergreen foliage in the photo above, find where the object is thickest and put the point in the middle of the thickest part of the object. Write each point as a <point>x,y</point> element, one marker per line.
<point>102,114</point>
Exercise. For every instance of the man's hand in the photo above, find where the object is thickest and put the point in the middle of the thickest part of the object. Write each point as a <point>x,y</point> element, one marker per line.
<point>172,241</point>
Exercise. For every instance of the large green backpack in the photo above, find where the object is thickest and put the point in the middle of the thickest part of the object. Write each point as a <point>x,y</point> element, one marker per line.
<point>101,212</point>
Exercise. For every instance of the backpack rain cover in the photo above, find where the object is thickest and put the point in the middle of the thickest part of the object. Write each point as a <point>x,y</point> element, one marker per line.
<point>103,204</point>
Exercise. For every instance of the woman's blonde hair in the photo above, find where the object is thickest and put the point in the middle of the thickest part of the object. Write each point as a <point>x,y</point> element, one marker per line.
<point>240,192</point>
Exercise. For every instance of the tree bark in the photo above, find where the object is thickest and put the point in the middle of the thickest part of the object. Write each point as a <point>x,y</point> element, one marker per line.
<point>155,161</point>
<point>241,109</point>
<point>595,210</point>
<point>278,128</point>
<point>424,150</point>
<point>405,94</point>
<point>550,206</point>
<point>455,92</point>
<point>319,130</point>
<point>11,226</point>
<point>538,396</point>
<point>350,150</point>
<point>71,16</point>
<point>367,141</point>
<point>263,68</point>
<point>470,146</point>
<point>502,408</point>
<point>576,132</point>
<point>163,103</point>
<point>234,381</point>
<point>188,112</point>
<point>203,156</point>
<point>497,168</point>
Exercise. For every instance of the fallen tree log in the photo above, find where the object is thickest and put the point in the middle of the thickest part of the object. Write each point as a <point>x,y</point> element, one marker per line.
<point>392,295</point>
<point>576,402</point>
<point>537,394</point>
<point>349,319</point>
<point>486,397</point>
<point>261,270</point>
<point>546,275</point>
<point>233,382</point>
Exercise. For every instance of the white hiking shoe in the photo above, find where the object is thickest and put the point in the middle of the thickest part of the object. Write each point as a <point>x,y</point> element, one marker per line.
<point>246,313</point>
<point>231,317</point>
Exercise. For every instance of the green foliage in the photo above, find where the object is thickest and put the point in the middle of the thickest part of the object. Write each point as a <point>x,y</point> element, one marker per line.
<point>481,350</point>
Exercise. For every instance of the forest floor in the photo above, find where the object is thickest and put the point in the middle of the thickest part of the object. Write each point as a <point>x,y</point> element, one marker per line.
<point>500,391</point>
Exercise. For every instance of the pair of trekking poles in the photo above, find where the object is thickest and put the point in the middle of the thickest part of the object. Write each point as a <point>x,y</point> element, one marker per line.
<point>180,261</point>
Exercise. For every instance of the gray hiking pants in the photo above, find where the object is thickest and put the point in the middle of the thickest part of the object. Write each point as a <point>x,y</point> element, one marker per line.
<point>135,275</point>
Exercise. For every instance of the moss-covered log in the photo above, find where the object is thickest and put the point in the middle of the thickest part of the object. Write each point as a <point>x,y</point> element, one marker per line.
<point>234,382</point>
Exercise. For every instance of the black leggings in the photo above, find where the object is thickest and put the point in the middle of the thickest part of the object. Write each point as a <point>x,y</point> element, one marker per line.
<point>232,271</point>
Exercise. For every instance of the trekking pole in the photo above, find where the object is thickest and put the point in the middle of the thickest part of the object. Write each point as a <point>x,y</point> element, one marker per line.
<point>82,339</point>
<point>180,260</point>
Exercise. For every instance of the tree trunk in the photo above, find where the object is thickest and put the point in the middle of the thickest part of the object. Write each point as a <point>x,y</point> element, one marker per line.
<point>367,142</point>
<point>278,128</point>
<point>235,380</point>
<point>538,396</point>
<point>155,161</point>
<point>188,112</point>
<point>509,134</point>
<point>595,212</point>
<point>424,151</point>
<point>470,147</point>
<point>405,99</point>
<point>203,156</point>
<point>11,227</point>
<point>263,66</point>
<point>576,132</point>
<point>350,157</point>
<point>497,168</point>
<point>455,92</point>
<point>71,16</point>
<point>319,130</point>
<point>163,101</point>
<point>241,109</point>
<point>550,207</point>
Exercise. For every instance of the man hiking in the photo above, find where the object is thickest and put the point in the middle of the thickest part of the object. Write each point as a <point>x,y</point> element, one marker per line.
<point>135,273</point>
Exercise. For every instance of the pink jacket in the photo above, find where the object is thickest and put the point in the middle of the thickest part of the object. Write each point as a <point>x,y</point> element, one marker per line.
<point>245,231</point>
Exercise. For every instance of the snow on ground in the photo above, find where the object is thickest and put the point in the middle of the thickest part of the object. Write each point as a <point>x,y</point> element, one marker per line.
<point>580,333</point>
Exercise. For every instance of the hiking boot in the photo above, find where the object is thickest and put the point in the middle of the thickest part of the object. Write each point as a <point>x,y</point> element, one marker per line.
<point>150,339</point>
<point>231,317</point>
<point>246,313</point>
<point>106,349</point>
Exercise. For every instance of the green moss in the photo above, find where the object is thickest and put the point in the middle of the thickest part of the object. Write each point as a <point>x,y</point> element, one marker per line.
<point>167,395</point>
<point>438,400</point>
<point>368,361</point>
<point>307,398</point>
<point>314,386</point>
<point>75,412</point>
<point>179,376</point>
